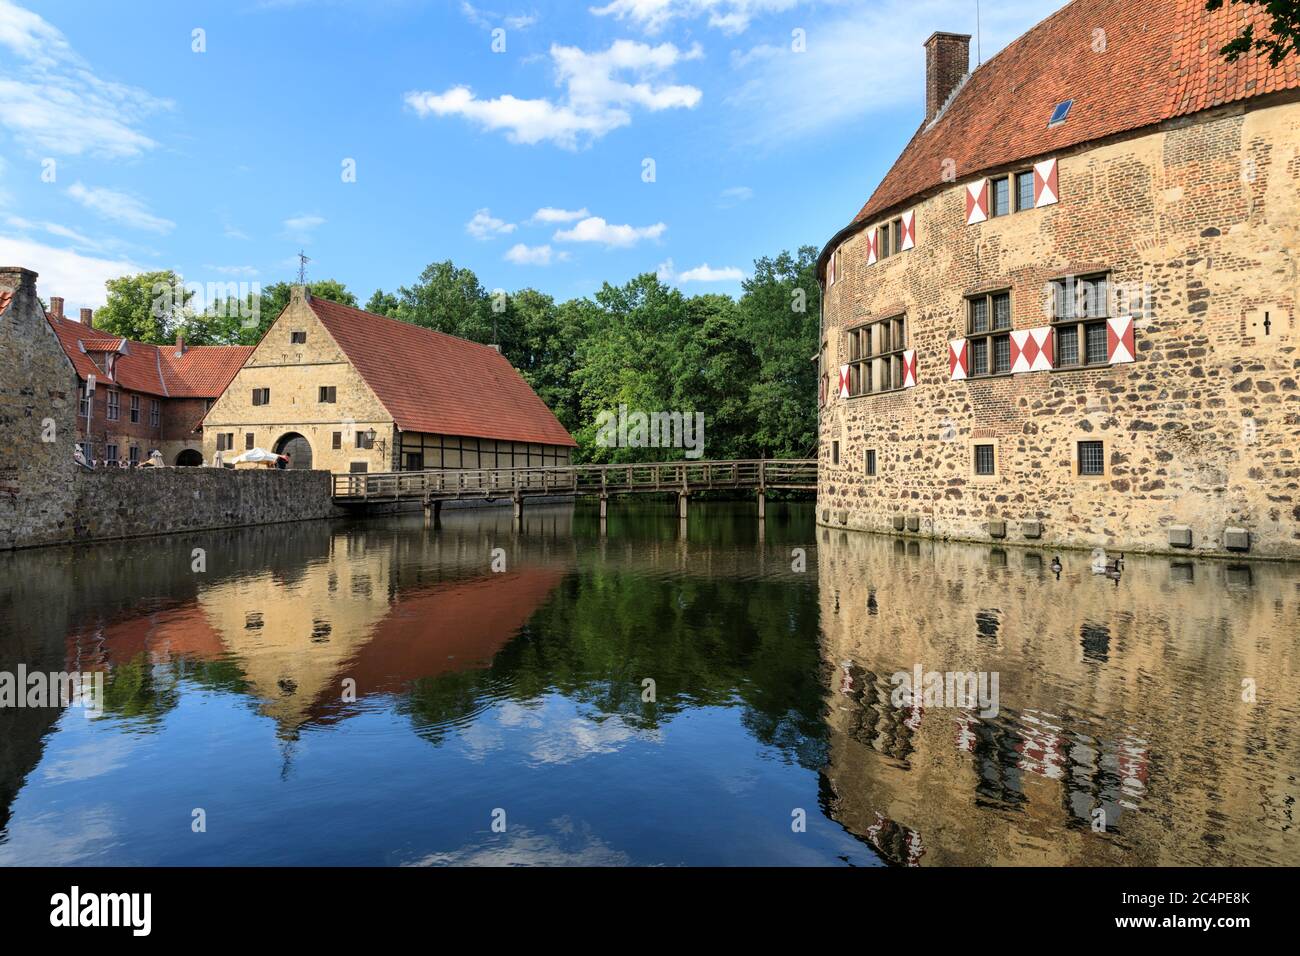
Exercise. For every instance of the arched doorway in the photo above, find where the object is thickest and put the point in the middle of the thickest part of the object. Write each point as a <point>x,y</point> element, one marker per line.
<point>189,458</point>
<point>297,448</point>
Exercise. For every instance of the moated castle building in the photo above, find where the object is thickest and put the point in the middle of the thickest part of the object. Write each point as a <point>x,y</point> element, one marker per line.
<point>1067,315</point>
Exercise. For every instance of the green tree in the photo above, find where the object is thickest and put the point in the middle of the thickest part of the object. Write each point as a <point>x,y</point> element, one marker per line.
<point>383,303</point>
<point>1282,40</point>
<point>232,322</point>
<point>779,308</point>
<point>147,307</point>
<point>447,299</point>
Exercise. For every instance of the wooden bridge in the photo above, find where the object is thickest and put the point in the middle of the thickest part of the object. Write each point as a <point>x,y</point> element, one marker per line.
<point>516,484</point>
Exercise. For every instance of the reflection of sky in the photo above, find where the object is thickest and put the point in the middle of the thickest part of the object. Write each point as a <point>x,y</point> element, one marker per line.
<point>578,787</point>
<point>549,731</point>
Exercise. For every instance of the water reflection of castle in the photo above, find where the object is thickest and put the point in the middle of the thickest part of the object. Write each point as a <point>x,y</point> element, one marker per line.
<point>1120,705</point>
<point>353,611</point>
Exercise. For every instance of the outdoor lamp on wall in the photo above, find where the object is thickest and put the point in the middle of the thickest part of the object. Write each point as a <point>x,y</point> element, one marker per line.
<point>371,437</point>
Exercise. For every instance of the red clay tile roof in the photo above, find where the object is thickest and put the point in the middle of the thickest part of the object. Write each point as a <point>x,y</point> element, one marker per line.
<point>203,371</point>
<point>1161,61</point>
<point>436,383</point>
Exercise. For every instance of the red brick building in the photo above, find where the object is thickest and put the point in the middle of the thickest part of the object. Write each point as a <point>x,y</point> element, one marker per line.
<point>135,398</point>
<point>1067,316</point>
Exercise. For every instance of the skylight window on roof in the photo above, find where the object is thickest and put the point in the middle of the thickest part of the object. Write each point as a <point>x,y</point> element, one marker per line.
<point>1060,113</point>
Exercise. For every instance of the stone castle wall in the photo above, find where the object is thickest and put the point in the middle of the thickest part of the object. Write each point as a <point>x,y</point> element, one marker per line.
<point>1202,431</point>
<point>45,498</point>
<point>38,406</point>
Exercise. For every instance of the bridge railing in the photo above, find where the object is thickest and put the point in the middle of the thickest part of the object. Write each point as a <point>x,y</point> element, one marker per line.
<point>443,484</point>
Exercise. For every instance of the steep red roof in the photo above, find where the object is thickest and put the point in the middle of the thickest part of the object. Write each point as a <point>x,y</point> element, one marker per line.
<point>203,371</point>
<point>1161,60</point>
<point>436,383</point>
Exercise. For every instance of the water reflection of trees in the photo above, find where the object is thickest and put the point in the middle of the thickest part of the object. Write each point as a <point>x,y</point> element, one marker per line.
<point>704,642</point>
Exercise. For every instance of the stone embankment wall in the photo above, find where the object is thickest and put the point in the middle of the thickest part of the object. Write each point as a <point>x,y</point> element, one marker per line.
<point>129,504</point>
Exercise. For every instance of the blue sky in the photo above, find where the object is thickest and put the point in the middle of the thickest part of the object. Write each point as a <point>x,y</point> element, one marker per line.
<point>122,149</point>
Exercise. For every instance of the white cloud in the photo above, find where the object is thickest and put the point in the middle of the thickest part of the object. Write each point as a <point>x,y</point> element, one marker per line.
<point>487,19</point>
<point>729,16</point>
<point>600,91</point>
<point>735,196</point>
<point>119,207</point>
<point>485,226</point>
<point>523,255</point>
<point>596,229</point>
<point>548,215</point>
<point>64,272</point>
<point>53,101</point>
<point>301,226</point>
<point>704,273</point>
<point>55,229</point>
<point>782,97</point>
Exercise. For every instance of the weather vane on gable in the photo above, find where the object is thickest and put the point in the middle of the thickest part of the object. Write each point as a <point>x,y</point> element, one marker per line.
<point>302,267</point>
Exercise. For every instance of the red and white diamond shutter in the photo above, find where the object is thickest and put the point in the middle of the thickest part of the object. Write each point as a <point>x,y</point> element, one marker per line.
<point>957,359</point>
<point>844,381</point>
<point>871,247</point>
<point>909,230</point>
<point>977,201</point>
<point>1120,347</point>
<point>1032,350</point>
<point>909,368</point>
<point>1045,184</point>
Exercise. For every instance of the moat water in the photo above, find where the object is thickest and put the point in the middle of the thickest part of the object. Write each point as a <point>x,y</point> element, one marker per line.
<point>385,693</point>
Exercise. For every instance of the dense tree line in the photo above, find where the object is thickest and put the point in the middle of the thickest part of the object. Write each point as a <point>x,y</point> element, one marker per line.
<point>745,363</point>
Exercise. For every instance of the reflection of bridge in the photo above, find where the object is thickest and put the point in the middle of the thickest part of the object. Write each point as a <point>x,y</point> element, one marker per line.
<point>674,477</point>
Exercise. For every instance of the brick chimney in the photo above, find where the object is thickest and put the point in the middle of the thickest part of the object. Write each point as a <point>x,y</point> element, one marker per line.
<point>180,343</point>
<point>56,306</point>
<point>947,61</point>
<point>88,317</point>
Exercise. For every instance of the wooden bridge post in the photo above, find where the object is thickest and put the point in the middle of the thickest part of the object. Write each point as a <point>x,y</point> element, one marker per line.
<point>681,504</point>
<point>604,515</point>
<point>519,509</point>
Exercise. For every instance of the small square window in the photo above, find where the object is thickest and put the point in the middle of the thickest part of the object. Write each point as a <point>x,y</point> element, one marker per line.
<point>248,440</point>
<point>298,338</point>
<point>1001,198</point>
<point>359,467</point>
<point>1092,458</point>
<point>870,462</point>
<point>1096,337</point>
<point>1025,190</point>
<point>338,440</point>
<point>1002,311</point>
<point>329,394</point>
<point>985,460</point>
<point>1002,354</point>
